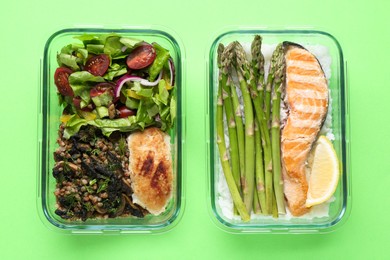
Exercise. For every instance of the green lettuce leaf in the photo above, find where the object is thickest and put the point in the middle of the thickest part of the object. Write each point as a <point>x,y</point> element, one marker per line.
<point>113,47</point>
<point>162,92</point>
<point>85,97</point>
<point>144,111</point>
<point>130,42</point>
<point>152,110</point>
<point>140,90</point>
<point>73,126</point>
<point>81,81</point>
<point>89,39</point>
<point>121,124</point>
<point>95,48</point>
<point>68,60</point>
<point>70,48</point>
<point>106,125</point>
<point>83,54</point>
<point>162,56</point>
<point>115,70</point>
<point>132,103</point>
<point>173,109</point>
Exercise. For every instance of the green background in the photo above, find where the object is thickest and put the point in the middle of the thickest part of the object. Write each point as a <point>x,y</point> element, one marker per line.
<point>363,30</point>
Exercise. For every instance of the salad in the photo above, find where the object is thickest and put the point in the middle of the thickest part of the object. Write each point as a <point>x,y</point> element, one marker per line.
<point>111,87</point>
<point>116,84</point>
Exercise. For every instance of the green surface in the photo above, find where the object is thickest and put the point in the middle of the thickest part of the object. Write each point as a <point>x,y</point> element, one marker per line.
<point>362,29</point>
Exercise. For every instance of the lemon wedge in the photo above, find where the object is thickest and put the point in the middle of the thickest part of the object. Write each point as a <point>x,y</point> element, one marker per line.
<point>325,172</point>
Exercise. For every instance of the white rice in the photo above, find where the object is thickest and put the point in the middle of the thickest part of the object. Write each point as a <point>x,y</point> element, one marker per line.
<point>225,201</point>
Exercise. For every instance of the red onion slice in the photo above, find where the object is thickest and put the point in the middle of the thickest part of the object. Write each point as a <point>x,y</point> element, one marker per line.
<point>147,83</point>
<point>122,81</point>
<point>143,82</point>
<point>172,71</point>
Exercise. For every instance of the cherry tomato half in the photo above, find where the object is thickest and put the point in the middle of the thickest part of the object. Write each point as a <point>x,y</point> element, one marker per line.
<point>141,57</point>
<point>125,112</point>
<point>102,88</point>
<point>97,65</point>
<point>61,79</point>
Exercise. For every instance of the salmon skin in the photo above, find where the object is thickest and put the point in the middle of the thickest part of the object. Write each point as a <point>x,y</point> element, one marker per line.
<point>306,97</point>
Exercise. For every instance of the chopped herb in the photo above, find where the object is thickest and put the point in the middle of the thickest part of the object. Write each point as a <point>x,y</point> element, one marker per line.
<point>95,151</point>
<point>103,185</point>
<point>122,146</point>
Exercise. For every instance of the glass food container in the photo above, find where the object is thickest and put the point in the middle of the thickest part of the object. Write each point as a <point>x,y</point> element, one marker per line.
<point>328,48</point>
<point>49,122</point>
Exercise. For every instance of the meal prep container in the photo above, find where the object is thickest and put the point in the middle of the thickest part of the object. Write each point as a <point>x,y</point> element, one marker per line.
<point>339,209</point>
<point>49,121</point>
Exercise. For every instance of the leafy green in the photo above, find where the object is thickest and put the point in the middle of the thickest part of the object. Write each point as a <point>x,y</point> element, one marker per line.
<point>152,110</point>
<point>82,54</point>
<point>113,47</point>
<point>103,185</point>
<point>89,207</point>
<point>130,42</point>
<point>162,92</point>
<point>88,38</point>
<point>95,48</point>
<point>81,81</point>
<point>102,111</point>
<point>115,70</point>
<point>132,103</point>
<point>72,55</point>
<point>103,99</point>
<point>162,56</point>
<point>142,91</point>
<point>173,109</point>
<point>68,60</point>
<point>85,98</point>
<point>122,146</point>
<point>73,125</point>
<point>164,113</point>
<point>106,125</point>
<point>70,48</point>
<point>121,124</point>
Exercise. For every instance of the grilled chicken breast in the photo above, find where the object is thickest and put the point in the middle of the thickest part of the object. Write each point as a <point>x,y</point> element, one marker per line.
<point>151,169</point>
<point>307,101</point>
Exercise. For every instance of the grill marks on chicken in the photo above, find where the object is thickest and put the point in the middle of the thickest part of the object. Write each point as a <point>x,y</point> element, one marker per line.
<point>151,169</point>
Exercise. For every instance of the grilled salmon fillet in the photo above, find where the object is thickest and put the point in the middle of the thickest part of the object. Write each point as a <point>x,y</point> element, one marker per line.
<point>306,98</point>
<point>150,166</point>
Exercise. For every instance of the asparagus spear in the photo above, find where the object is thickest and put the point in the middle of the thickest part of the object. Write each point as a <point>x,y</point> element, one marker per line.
<point>248,180</point>
<point>239,204</point>
<point>259,169</point>
<point>229,112</point>
<point>275,212</point>
<point>256,204</point>
<point>258,71</point>
<point>258,62</point>
<point>268,89</point>
<point>276,96</point>
<point>240,130</point>
<point>257,97</point>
